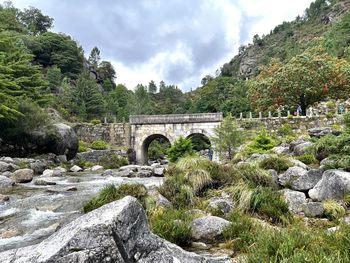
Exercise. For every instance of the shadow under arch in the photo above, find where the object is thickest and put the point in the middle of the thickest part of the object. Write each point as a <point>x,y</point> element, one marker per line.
<point>200,141</point>
<point>146,143</point>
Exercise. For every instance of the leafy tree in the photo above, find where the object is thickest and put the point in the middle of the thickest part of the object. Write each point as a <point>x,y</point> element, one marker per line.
<point>34,21</point>
<point>54,77</point>
<point>8,18</point>
<point>106,71</point>
<point>181,148</point>
<point>152,87</point>
<point>142,100</point>
<point>57,49</point>
<point>306,79</point>
<point>120,102</point>
<point>228,137</point>
<point>94,58</point>
<point>89,100</point>
<point>18,77</point>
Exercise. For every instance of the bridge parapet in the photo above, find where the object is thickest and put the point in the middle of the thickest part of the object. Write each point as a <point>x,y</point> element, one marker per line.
<point>176,118</point>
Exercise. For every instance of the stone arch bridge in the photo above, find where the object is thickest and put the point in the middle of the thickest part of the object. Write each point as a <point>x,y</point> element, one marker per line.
<point>146,128</point>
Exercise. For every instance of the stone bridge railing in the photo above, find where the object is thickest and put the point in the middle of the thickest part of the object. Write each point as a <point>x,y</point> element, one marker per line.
<point>176,118</point>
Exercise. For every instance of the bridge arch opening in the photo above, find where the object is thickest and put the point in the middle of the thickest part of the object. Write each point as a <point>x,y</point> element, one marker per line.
<point>154,148</point>
<point>201,143</point>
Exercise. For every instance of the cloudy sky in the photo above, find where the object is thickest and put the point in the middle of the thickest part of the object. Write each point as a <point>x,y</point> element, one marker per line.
<point>178,41</point>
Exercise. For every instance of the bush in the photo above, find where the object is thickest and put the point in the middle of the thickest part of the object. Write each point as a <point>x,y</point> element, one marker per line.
<point>271,205</point>
<point>113,161</point>
<point>83,163</point>
<point>253,175</point>
<point>95,121</point>
<point>261,144</point>
<point>308,159</point>
<point>333,210</point>
<point>181,148</point>
<point>111,193</point>
<point>285,130</point>
<point>158,149</point>
<point>99,145</point>
<point>280,164</point>
<point>83,146</point>
<point>172,225</point>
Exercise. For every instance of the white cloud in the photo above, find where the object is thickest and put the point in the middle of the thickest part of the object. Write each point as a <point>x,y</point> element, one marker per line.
<point>176,41</point>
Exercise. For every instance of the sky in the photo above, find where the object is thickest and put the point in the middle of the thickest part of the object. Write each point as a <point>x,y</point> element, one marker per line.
<point>178,41</point>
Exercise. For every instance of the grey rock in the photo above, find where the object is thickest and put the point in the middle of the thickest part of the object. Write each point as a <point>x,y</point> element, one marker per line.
<point>307,180</point>
<point>75,169</point>
<point>256,157</point>
<point>39,166</point>
<point>333,185</point>
<point>7,159</point>
<point>52,173</point>
<point>66,142</point>
<point>96,168</point>
<point>95,156</point>
<point>322,131</point>
<point>159,199</point>
<point>291,177</point>
<point>4,199</point>
<point>299,164</point>
<point>294,199</point>
<point>6,182</point>
<point>158,171</point>
<point>208,228</point>
<point>116,232</point>
<point>225,205</point>
<point>144,173</point>
<point>131,167</point>
<point>281,150</point>
<point>7,174</point>
<point>4,167</point>
<point>43,182</point>
<point>23,175</point>
<point>302,148</point>
<point>313,209</point>
<point>328,162</point>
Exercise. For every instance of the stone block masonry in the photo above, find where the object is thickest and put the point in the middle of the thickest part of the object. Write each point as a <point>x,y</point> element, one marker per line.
<point>113,133</point>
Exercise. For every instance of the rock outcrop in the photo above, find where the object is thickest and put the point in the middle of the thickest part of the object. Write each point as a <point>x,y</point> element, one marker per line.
<point>116,232</point>
<point>208,228</point>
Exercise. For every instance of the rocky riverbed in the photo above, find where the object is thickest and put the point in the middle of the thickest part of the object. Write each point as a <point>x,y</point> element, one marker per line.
<point>33,212</point>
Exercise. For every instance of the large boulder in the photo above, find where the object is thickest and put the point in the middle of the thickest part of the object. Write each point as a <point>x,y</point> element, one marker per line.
<point>208,228</point>
<point>333,185</point>
<point>23,175</point>
<point>313,209</point>
<point>300,179</point>
<point>302,148</point>
<point>294,199</point>
<point>116,232</point>
<point>291,176</point>
<point>322,131</point>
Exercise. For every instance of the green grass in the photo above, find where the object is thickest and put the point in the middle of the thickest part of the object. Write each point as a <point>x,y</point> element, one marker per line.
<point>277,163</point>
<point>99,145</point>
<point>83,146</point>
<point>111,193</point>
<point>333,210</point>
<point>113,161</point>
<point>308,159</point>
<point>172,224</point>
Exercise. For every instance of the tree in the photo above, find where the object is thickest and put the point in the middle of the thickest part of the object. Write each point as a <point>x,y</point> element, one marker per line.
<point>34,21</point>
<point>120,102</point>
<point>8,18</point>
<point>54,77</point>
<point>152,87</point>
<point>228,137</point>
<point>94,58</point>
<point>89,100</point>
<point>181,148</point>
<point>142,100</point>
<point>19,79</point>
<point>308,78</point>
<point>57,49</point>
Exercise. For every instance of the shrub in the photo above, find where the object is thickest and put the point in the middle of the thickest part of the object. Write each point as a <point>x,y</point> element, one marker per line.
<point>333,210</point>
<point>280,164</point>
<point>241,195</point>
<point>285,130</point>
<point>95,121</point>
<point>308,159</point>
<point>99,145</point>
<point>111,193</point>
<point>271,205</point>
<point>83,146</point>
<point>171,224</point>
<point>83,164</point>
<point>181,148</point>
<point>261,144</point>
<point>158,149</point>
<point>113,161</point>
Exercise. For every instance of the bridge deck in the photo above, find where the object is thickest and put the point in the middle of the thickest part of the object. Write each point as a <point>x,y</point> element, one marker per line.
<point>176,118</point>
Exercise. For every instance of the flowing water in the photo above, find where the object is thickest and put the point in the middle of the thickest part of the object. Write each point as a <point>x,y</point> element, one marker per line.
<point>35,212</point>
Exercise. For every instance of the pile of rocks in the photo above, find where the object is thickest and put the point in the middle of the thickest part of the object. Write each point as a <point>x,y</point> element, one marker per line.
<point>155,169</point>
